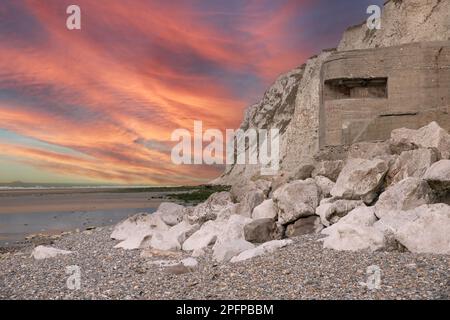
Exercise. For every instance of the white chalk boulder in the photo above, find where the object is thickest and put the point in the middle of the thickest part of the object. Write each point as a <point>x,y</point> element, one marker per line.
<point>360,179</point>
<point>232,229</point>
<point>209,209</point>
<point>331,210</point>
<point>355,232</point>
<point>43,252</point>
<point>170,213</point>
<point>438,175</point>
<point>224,251</point>
<point>205,236</point>
<point>413,163</point>
<point>405,195</point>
<point>135,229</point>
<point>353,237</point>
<point>250,201</point>
<point>262,249</point>
<point>329,169</point>
<point>429,232</point>
<point>265,210</point>
<point>430,136</point>
<point>173,238</point>
<point>325,185</point>
<point>296,199</point>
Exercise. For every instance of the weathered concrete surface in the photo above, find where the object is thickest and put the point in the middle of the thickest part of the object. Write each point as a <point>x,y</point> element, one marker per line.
<point>368,93</point>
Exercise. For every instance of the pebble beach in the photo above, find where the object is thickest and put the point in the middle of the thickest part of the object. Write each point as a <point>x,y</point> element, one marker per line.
<point>302,270</point>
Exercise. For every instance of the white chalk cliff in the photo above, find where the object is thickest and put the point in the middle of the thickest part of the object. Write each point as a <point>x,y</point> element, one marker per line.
<point>291,104</point>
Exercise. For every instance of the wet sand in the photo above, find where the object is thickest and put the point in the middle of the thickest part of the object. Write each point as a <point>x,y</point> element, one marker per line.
<point>57,200</point>
<point>50,211</point>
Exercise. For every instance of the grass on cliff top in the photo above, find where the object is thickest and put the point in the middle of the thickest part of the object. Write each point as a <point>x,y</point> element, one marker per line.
<point>187,194</point>
<point>198,194</point>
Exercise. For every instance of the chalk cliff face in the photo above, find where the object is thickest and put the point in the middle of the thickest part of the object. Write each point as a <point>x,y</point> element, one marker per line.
<point>291,104</point>
<point>403,21</point>
<point>275,110</point>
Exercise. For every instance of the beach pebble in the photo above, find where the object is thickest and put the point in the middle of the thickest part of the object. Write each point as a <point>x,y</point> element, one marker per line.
<point>301,270</point>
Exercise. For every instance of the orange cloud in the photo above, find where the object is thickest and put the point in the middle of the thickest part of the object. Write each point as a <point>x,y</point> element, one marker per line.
<point>135,72</point>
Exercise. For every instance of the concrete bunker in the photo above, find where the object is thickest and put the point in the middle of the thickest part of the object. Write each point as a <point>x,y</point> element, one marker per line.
<point>365,94</point>
<point>355,88</point>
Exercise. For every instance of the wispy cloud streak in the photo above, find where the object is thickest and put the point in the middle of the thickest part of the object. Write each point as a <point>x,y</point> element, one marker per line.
<point>114,91</point>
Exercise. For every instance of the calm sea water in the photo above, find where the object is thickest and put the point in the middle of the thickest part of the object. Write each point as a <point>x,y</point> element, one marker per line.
<point>15,227</point>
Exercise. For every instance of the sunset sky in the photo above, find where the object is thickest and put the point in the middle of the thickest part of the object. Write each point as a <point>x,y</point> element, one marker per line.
<point>98,105</point>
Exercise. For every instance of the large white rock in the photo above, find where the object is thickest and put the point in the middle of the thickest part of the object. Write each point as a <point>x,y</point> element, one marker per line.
<point>407,194</point>
<point>209,209</point>
<point>429,233</point>
<point>135,229</point>
<point>43,252</point>
<point>424,229</point>
<point>279,180</point>
<point>325,185</point>
<point>232,229</point>
<point>360,179</point>
<point>296,199</point>
<point>438,175</point>
<point>161,241</point>
<point>223,252</point>
<point>207,235</point>
<point>331,210</point>
<point>170,213</point>
<point>352,237</point>
<point>329,169</point>
<point>393,220</point>
<point>360,216</point>
<point>240,189</point>
<point>173,238</point>
<point>430,136</point>
<point>250,200</point>
<point>355,232</point>
<point>262,249</point>
<point>412,163</point>
<point>226,212</point>
<point>265,210</point>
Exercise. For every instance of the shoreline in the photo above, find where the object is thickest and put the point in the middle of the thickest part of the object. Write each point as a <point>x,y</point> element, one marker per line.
<point>49,212</point>
<point>25,212</point>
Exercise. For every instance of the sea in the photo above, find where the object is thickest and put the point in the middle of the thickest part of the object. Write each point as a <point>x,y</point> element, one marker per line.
<point>14,228</point>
